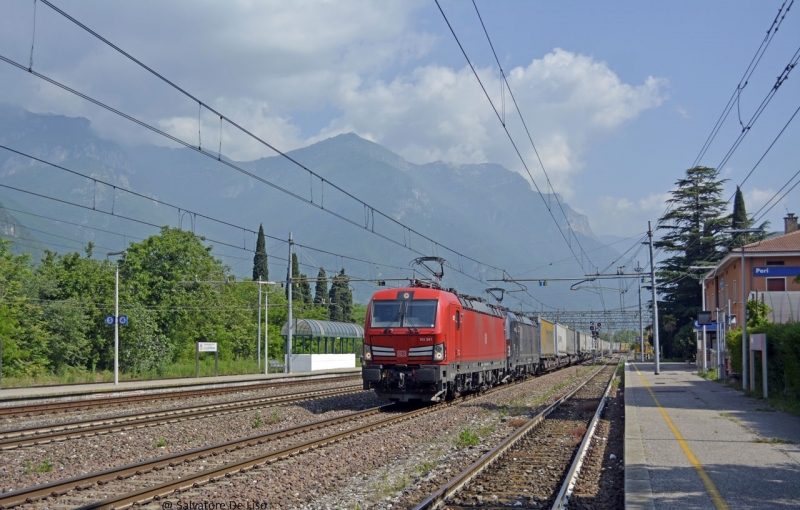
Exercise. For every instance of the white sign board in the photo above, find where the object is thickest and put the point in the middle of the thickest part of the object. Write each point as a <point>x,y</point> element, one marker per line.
<point>757,342</point>
<point>207,346</point>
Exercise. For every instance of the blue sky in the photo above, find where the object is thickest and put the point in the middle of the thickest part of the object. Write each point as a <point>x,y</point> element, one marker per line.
<point>619,97</point>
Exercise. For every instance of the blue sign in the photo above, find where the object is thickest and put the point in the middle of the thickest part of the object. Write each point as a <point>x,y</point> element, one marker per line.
<point>776,271</point>
<point>123,320</point>
<point>709,327</point>
<point>109,320</point>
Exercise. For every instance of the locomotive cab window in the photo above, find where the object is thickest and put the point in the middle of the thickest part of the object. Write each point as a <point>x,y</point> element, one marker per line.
<point>404,313</point>
<point>385,314</point>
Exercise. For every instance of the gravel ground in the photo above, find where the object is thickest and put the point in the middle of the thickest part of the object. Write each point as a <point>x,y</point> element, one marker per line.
<point>27,466</point>
<point>160,404</point>
<point>392,467</point>
<point>601,484</point>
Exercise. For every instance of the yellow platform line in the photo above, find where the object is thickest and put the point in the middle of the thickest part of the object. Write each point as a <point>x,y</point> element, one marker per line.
<point>712,490</point>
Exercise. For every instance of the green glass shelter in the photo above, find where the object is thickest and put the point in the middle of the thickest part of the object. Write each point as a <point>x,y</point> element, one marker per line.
<point>311,336</point>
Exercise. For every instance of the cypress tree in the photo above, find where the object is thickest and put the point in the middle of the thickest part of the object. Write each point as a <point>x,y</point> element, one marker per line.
<point>305,290</point>
<point>739,220</point>
<point>321,290</point>
<point>334,307</point>
<point>260,269</point>
<point>345,297</point>
<point>295,279</point>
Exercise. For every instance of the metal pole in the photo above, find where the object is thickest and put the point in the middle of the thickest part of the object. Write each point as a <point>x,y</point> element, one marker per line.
<point>258,336</point>
<point>745,346</point>
<point>289,295</point>
<point>266,331</point>
<point>641,328</point>
<point>656,353</point>
<point>705,367</point>
<point>116,327</point>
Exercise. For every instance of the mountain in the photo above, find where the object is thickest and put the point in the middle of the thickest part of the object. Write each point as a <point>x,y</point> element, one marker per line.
<point>484,211</point>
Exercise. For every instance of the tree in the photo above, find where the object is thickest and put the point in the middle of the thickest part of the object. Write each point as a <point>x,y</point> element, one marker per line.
<point>340,303</point>
<point>693,236</point>
<point>304,290</point>
<point>295,278</point>
<point>739,220</point>
<point>321,289</point>
<point>260,267</point>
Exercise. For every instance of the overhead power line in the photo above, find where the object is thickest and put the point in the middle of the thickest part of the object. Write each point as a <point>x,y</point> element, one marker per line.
<point>511,139</point>
<point>370,211</point>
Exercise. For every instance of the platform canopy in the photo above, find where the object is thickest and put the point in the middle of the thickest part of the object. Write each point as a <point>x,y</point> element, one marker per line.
<point>310,328</point>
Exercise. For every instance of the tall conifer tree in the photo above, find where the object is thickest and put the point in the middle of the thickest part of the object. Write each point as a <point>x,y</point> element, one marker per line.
<point>260,267</point>
<point>321,289</point>
<point>693,236</point>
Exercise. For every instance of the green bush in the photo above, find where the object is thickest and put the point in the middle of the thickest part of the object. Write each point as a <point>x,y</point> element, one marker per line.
<point>783,357</point>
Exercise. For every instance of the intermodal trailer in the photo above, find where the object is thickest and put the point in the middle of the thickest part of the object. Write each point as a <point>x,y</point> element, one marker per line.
<point>522,335</point>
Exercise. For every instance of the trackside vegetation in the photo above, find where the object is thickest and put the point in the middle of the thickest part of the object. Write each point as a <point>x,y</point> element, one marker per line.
<point>175,293</point>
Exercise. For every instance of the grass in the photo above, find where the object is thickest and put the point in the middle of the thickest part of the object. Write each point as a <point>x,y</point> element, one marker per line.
<point>730,417</point>
<point>388,487</point>
<point>160,443</point>
<point>772,440</point>
<point>183,369</point>
<point>467,438</point>
<point>45,467</point>
<point>258,422</point>
<point>709,374</point>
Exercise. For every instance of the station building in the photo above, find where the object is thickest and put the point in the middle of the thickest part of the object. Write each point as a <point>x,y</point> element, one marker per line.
<point>770,268</point>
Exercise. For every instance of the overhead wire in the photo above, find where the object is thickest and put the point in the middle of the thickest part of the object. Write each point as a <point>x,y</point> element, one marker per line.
<point>508,134</point>
<point>201,104</point>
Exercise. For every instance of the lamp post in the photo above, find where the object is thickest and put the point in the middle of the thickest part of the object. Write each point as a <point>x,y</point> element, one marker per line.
<point>745,342</point>
<point>116,315</point>
<point>638,270</point>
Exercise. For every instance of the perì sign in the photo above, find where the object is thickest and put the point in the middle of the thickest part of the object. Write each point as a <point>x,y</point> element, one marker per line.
<point>776,271</point>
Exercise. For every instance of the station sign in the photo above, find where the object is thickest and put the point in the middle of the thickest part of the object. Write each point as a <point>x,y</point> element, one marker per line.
<point>207,346</point>
<point>776,271</point>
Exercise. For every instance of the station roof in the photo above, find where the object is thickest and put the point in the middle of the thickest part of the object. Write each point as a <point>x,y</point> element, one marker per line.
<point>310,328</point>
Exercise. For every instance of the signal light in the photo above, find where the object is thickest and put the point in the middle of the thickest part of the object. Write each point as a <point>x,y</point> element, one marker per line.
<point>381,283</point>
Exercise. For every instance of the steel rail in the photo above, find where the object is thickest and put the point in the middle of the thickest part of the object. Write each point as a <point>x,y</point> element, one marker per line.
<point>76,429</point>
<point>90,401</point>
<point>562,500</point>
<point>441,495</point>
<point>60,487</point>
<point>201,478</point>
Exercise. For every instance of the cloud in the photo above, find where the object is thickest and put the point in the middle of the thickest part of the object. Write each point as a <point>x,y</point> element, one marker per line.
<point>351,66</point>
<point>437,113</point>
<point>613,214</point>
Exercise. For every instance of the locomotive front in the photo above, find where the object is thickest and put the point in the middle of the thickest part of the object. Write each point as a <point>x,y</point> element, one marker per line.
<point>405,344</point>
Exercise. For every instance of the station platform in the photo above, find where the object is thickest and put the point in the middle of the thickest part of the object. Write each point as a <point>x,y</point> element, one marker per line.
<point>14,396</point>
<point>691,443</point>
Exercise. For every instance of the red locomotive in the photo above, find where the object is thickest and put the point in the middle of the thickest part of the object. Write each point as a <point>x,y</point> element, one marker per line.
<point>421,343</point>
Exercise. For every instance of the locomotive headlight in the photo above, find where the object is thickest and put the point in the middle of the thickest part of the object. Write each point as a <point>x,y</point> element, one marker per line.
<point>367,353</point>
<point>438,352</point>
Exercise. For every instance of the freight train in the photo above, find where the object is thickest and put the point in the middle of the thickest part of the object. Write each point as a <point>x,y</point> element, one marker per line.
<point>424,343</point>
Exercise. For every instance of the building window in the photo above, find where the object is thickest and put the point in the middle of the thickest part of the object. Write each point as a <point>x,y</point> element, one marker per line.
<point>775,263</point>
<point>776,284</point>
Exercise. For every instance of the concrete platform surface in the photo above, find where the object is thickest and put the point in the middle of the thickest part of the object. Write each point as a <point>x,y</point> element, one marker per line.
<point>14,396</point>
<point>692,443</point>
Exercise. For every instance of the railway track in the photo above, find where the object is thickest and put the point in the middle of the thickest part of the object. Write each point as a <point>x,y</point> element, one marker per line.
<point>15,438</point>
<point>153,479</point>
<point>534,466</point>
<point>91,401</point>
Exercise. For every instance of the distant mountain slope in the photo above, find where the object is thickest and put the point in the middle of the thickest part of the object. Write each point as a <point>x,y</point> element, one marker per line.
<point>484,211</point>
